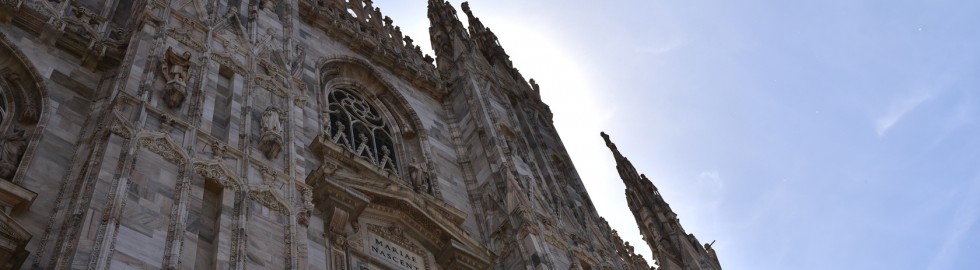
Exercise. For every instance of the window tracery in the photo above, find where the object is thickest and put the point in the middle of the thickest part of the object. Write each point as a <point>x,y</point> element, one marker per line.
<point>360,128</point>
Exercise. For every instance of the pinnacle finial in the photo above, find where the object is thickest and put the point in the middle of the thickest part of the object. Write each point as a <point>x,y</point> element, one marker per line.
<point>609,143</point>
<point>466,8</point>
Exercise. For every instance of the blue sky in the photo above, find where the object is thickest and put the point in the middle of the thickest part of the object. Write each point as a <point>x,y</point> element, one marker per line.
<point>798,134</point>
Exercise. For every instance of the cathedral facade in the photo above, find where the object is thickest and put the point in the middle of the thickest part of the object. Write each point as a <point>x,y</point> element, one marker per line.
<point>270,134</point>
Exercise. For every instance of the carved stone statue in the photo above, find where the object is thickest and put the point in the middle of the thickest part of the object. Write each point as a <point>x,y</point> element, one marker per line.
<point>364,150</point>
<point>271,121</point>
<point>268,4</point>
<point>386,163</point>
<point>418,176</point>
<point>303,218</point>
<point>176,70</point>
<point>11,149</point>
<point>271,142</point>
<point>341,136</point>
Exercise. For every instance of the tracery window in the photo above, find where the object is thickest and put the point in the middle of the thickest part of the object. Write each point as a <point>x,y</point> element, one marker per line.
<point>359,127</point>
<point>4,121</point>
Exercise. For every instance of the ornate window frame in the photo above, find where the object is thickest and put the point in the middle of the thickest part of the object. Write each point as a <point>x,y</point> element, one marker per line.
<point>410,150</point>
<point>358,125</point>
<point>24,98</point>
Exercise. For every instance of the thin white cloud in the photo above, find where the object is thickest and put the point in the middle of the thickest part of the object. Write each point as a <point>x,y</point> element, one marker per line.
<point>898,110</point>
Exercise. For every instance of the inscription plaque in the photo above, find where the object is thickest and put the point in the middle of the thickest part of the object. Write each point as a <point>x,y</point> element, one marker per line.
<point>394,254</point>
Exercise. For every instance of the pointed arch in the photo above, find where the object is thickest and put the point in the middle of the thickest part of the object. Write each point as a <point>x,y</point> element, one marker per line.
<point>411,156</point>
<point>361,71</point>
<point>23,97</point>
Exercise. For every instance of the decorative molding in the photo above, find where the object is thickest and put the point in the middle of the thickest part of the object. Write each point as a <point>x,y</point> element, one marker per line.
<point>268,197</point>
<point>217,171</point>
<point>120,127</point>
<point>162,145</point>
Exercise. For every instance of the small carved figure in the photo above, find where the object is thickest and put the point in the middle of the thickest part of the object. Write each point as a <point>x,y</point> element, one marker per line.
<point>176,70</point>
<point>271,142</point>
<point>271,122</point>
<point>268,4</point>
<point>299,55</point>
<point>340,137</point>
<point>418,176</point>
<point>303,218</point>
<point>386,162</point>
<point>218,150</point>
<point>363,149</point>
<point>11,149</point>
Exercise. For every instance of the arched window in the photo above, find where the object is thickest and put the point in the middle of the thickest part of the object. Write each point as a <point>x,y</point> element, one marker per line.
<point>21,99</point>
<point>4,115</point>
<point>357,125</point>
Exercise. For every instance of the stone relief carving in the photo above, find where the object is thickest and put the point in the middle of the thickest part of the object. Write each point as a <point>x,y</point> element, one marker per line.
<point>176,70</point>
<point>215,171</point>
<point>119,126</point>
<point>303,218</point>
<point>30,112</point>
<point>266,196</point>
<point>268,4</point>
<point>162,145</point>
<point>11,149</point>
<point>271,141</point>
<point>386,161</point>
<point>419,177</point>
<point>273,79</point>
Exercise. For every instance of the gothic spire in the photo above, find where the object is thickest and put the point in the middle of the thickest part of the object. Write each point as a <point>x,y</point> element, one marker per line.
<point>657,222</point>
<point>626,170</point>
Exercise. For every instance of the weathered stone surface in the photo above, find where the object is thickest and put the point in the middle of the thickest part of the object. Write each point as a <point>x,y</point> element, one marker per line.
<point>279,135</point>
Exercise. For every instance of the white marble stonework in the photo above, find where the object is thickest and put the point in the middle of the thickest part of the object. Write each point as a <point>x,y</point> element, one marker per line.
<point>265,134</point>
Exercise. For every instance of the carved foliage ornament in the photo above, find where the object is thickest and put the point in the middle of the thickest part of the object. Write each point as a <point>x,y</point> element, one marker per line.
<point>24,98</point>
<point>217,172</point>
<point>267,197</point>
<point>165,147</point>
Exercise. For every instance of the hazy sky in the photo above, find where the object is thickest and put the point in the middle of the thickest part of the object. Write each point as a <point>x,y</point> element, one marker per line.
<point>833,134</point>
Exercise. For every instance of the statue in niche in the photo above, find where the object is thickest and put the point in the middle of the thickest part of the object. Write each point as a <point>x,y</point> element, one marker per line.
<point>11,149</point>
<point>419,177</point>
<point>271,141</point>
<point>176,70</point>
